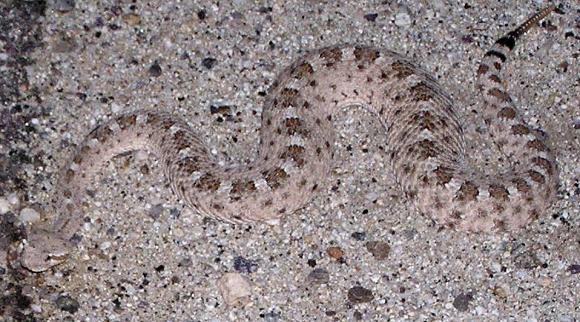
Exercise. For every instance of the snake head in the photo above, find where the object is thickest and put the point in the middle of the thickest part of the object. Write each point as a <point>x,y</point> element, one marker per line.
<point>43,250</point>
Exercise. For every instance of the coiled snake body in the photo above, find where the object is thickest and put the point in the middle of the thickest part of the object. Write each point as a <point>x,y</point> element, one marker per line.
<point>425,147</point>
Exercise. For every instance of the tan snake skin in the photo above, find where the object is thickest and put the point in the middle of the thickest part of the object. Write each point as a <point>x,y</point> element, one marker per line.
<point>425,147</point>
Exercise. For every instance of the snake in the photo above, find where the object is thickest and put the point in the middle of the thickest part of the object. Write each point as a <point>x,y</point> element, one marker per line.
<point>425,140</point>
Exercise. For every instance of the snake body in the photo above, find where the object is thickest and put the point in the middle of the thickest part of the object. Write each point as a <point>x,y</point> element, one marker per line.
<point>426,149</point>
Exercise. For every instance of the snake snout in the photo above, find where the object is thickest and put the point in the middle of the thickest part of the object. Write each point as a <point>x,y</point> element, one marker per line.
<point>43,250</point>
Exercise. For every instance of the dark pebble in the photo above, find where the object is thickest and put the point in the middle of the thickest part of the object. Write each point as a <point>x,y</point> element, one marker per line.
<point>186,262</point>
<point>371,17</point>
<point>209,62</point>
<point>272,316</point>
<point>359,294</point>
<point>574,269</point>
<point>63,5</point>
<point>379,249</point>
<point>461,302</point>
<point>174,213</point>
<point>67,304</point>
<point>359,235</point>
<point>243,265</point>
<point>201,14</point>
<point>76,239</point>
<point>155,70</point>
<point>220,109</point>
<point>318,276</point>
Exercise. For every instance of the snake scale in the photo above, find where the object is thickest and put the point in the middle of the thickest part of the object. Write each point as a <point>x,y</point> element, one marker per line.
<point>426,149</point>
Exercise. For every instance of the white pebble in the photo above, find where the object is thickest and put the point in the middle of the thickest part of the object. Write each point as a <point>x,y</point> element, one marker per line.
<point>105,245</point>
<point>4,206</point>
<point>36,308</point>
<point>402,19</point>
<point>13,199</point>
<point>115,108</point>
<point>29,215</point>
<point>235,289</point>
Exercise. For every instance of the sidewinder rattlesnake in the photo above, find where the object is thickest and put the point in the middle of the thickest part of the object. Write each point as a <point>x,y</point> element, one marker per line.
<point>426,149</point>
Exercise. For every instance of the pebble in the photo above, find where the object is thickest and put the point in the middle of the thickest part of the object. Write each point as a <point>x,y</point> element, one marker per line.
<point>4,206</point>
<point>209,62</point>
<point>402,19</point>
<point>359,294</point>
<point>67,304</point>
<point>155,211</point>
<point>461,302</point>
<point>155,70</point>
<point>360,236</point>
<point>185,262</point>
<point>64,43</point>
<point>500,292</point>
<point>105,245</point>
<point>29,215</point>
<point>527,260</point>
<point>335,252</point>
<point>62,5</point>
<point>235,289</point>
<point>318,276</point>
<point>13,199</point>
<point>132,19</point>
<point>371,17</point>
<point>379,249</point>
<point>243,265</point>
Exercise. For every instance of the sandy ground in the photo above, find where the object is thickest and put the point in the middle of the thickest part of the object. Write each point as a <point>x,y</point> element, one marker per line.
<point>144,256</point>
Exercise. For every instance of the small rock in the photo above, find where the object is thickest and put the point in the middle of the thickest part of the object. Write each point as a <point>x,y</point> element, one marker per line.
<point>64,43</point>
<point>13,199</point>
<point>185,262</point>
<point>379,249</point>
<point>272,316</point>
<point>209,62</point>
<point>371,17</point>
<point>402,19</point>
<point>174,213</point>
<point>527,260</point>
<point>461,302</point>
<point>360,236</point>
<point>574,269</point>
<point>105,245</point>
<point>155,211</point>
<point>67,304</point>
<point>243,265</point>
<point>359,294</point>
<point>4,206</point>
<point>220,108</point>
<point>500,292</point>
<point>318,276</point>
<point>155,70</point>
<point>110,231</point>
<point>335,252</point>
<point>235,289</point>
<point>29,215</point>
<point>63,5</point>
<point>132,19</point>
<point>201,14</point>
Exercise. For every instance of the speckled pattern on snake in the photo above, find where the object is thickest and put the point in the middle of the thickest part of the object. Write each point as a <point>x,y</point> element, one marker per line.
<point>426,149</point>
